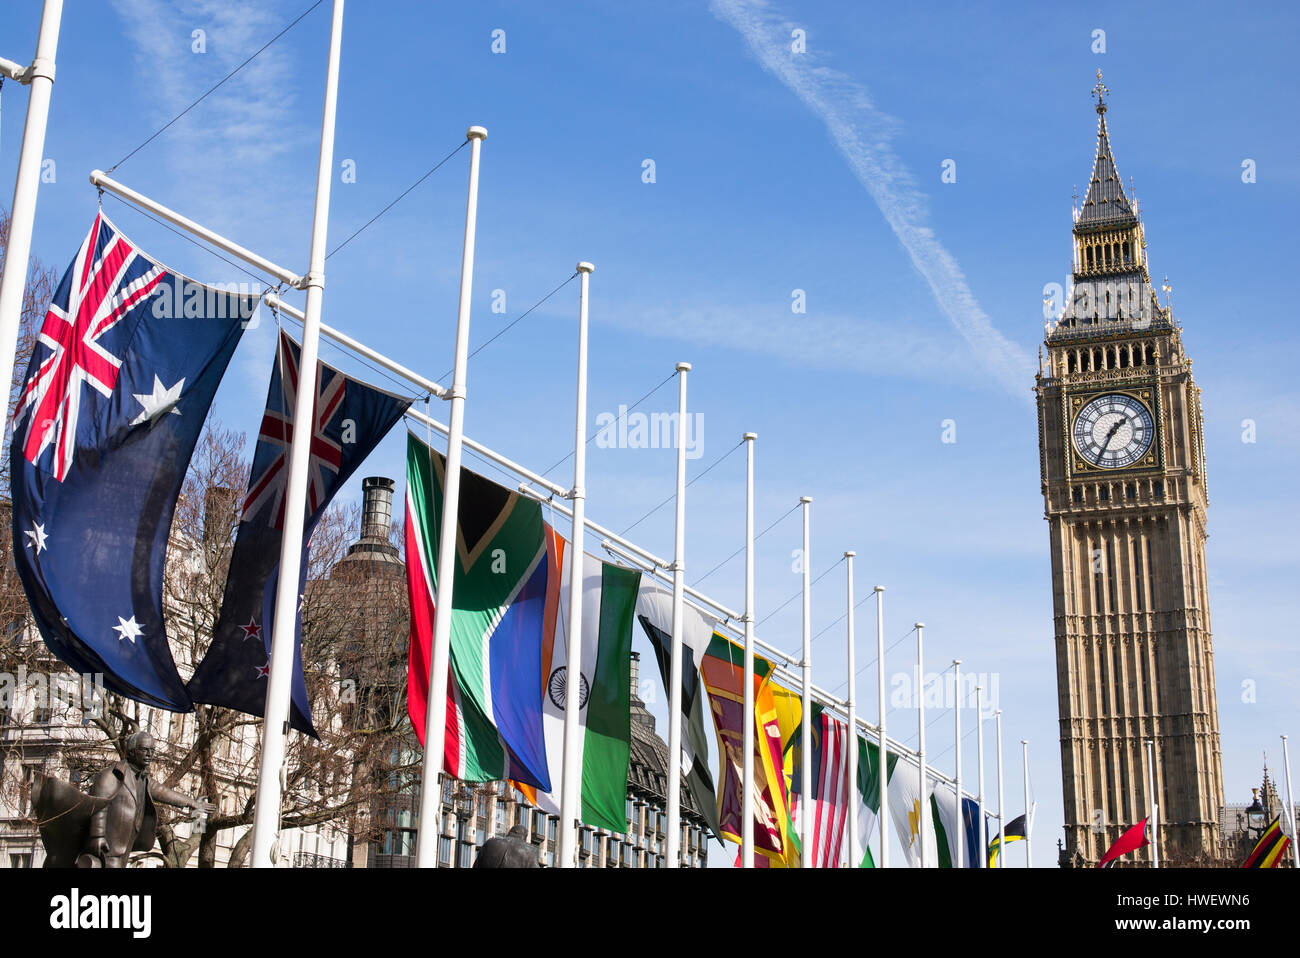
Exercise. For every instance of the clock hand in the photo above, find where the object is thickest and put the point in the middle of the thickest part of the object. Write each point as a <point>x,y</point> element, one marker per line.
<point>1111,435</point>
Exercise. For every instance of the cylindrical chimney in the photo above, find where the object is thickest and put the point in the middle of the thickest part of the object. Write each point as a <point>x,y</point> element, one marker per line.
<point>377,508</point>
<point>376,521</point>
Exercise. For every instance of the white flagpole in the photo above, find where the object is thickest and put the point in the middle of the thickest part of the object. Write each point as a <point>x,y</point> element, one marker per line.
<point>1002,808</point>
<point>923,806</point>
<point>275,725</point>
<point>675,671</point>
<point>979,760</point>
<point>22,214</point>
<point>961,809</point>
<point>747,755</point>
<point>883,767</point>
<point>571,774</point>
<point>1290,804</point>
<point>1153,813</point>
<point>435,715</point>
<point>1029,840</point>
<point>805,737</point>
<point>851,747</point>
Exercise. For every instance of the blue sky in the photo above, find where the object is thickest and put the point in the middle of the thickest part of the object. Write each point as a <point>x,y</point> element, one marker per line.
<point>773,173</point>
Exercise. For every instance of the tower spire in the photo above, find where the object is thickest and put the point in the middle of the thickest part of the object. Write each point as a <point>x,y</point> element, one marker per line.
<point>1105,201</point>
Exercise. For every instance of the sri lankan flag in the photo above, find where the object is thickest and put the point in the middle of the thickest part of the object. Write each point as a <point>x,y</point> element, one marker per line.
<point>1270,848</point>
<point>723,671</point>
<point>1014,832</point>
<point>505,599</point>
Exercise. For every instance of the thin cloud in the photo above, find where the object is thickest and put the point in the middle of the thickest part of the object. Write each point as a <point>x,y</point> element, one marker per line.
<point>233,136</point>
<point>863,133</point>
<point>829,342</point>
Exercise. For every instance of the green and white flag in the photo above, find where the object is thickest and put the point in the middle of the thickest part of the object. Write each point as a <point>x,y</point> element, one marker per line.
<point>947,827</point>
<point>911,814</point>
<point>604,687</point>
<point>867,801</point>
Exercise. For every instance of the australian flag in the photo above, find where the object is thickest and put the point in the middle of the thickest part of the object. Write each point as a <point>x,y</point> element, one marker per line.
<point>349,420</point>
<point>127,362</point>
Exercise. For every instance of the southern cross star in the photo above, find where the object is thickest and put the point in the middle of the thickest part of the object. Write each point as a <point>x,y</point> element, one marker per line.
<point>38,536</point>
<point>159,402</point>
<point>128,629</point>
<point>252,630</point>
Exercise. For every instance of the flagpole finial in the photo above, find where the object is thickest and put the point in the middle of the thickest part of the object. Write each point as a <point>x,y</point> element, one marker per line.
<point>476,133</point>
<point>918,625</point>
<point>749,436</point>
<point>956,661</point>
<point>879,588</point>
<point>850,554</point>
<point>585,267</point>
<point>1100,91</point>
<point>805,499</point>
<point>683,367</point>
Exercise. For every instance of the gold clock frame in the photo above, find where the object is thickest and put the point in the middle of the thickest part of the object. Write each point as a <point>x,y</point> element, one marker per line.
<point>1073,403</point>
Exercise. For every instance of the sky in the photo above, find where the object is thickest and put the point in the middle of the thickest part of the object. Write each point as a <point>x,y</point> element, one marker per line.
<point>780,180</point>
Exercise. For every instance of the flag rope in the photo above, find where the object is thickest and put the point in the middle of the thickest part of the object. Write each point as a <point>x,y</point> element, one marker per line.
<point>514,322</point>
<point>590,439</point>
<point>163,128</point>
<point>401,196</point>
<point>780,519</point>
<point>688,485</point>
<point>800,593</point>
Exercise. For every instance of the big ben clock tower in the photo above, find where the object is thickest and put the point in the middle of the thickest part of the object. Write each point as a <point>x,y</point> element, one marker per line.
<point>1123,481</point>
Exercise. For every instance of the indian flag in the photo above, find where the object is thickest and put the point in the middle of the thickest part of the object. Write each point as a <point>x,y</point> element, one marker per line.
<point>603,684</point>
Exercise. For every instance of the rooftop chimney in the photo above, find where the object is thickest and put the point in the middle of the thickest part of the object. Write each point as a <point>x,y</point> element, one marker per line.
<point>376,519</point>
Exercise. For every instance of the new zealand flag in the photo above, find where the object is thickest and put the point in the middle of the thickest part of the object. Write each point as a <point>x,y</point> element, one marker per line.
<point>349,420</point>
<point>120,381</point>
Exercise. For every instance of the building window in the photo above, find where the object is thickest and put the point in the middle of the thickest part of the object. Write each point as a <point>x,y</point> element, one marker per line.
<point>1110,576</point>
<point>1077,495</point>
<point>1157,489</point>
<point>20,860</point>
<point>1103,494</point>
<point>444,851</point>
<point>1130,490</point>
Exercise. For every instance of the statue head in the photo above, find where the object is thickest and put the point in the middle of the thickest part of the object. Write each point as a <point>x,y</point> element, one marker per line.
<point>518,832</point>
<point>139,750</point>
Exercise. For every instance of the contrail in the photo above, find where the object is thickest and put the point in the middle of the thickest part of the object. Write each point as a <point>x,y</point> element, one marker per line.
<point>862,132</point>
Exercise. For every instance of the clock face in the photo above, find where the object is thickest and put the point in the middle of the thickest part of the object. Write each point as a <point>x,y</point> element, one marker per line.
<point>1113,431</point>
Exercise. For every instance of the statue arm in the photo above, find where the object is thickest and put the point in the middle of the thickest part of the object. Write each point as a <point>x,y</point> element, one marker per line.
<point>167,796</point>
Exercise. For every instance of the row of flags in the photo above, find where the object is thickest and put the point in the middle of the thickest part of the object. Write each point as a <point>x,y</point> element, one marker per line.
<point>509,681</point>
<point>110,412</point>
<point>108,417</point>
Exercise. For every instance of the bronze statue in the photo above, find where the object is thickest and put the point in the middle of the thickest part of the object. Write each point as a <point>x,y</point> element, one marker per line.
<point>509,851</point>
<point>100,830</point>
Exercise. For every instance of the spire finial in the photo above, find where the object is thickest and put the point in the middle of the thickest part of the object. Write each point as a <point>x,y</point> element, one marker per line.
<point>1100,90</point>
